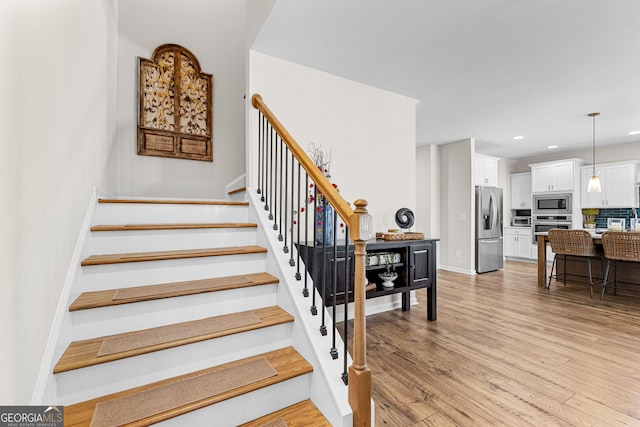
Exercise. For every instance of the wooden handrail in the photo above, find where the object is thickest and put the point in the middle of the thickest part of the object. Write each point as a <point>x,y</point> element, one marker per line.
<point>360,230</point>
<point>324,186</point>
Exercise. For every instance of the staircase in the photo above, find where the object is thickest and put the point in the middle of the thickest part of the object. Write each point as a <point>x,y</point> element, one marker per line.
<point>174,319</point>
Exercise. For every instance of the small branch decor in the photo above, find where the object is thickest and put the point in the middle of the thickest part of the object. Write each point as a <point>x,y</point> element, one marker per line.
<point>323,215</point>
<point>322,161</point>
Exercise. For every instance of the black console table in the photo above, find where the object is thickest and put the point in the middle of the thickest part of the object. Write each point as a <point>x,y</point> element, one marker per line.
<point>415,265</point>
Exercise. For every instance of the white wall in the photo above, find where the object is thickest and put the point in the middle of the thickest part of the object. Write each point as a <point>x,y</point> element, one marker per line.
<point>215,33</point>
<point>57,109</point>
<point>257,12</point>
<point>9,118</point>
<point>457,228</point>
<point>370,132</point>
<point>428,191</point>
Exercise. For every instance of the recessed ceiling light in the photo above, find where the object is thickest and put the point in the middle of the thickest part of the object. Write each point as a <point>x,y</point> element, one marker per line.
<point>634,132</point>
<point>515,138</point>
<point>552,146</point>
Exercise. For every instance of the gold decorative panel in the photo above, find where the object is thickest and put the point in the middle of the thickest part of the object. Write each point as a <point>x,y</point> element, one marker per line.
<point>175,105</point>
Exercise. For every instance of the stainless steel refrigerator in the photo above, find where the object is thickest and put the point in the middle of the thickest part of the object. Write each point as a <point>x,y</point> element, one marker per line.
<point>488,229</point>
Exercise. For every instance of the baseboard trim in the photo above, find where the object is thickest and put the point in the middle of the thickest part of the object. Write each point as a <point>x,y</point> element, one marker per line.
<point>458,270</point>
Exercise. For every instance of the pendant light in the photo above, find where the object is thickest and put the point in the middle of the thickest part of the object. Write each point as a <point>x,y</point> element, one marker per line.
<point>594,181</point>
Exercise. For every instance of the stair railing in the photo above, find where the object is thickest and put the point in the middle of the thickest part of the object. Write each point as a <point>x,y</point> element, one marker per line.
<point>281,163</point>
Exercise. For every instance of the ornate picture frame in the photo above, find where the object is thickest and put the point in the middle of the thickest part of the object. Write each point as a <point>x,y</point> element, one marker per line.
<point>175,105</point>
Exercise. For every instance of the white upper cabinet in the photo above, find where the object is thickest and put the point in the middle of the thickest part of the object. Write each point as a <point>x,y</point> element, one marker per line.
<point>618,182</point>
<point>521,191</point>
<point>553,176</point>
<point>486,170</point>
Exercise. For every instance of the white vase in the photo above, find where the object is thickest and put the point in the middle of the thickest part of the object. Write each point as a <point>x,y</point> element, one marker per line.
<point>387,281</point>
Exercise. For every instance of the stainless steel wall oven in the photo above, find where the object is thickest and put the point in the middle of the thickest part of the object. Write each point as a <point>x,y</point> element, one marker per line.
<point>543,223</point>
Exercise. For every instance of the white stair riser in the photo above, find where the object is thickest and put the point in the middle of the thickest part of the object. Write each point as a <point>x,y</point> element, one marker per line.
<point>99,322</point>
<point>115,276</point>
<point>238,197</point>
<point>123,213</point>
<point>241,409</point>
<point>113,242</point>
<point>93,381</point>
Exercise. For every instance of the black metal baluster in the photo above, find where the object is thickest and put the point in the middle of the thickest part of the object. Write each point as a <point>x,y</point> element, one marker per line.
<point>292,262</point>
<point>264,160</point>
<point>279,217</point>
<point>334,287</point>
<point>265,151</point>
<point>347,289</point>
<point>314,309</point>
<point>284,216</point>
<point>276,194</point>
<point>305,290</point>
<point>323,325</point>
<point>269,175</point>
<point>260,120</point>
<point>297,223</point>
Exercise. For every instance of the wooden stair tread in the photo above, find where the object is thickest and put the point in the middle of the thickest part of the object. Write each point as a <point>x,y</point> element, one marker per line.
<point>96,299</point>
<point>175,202</point>
<point>237,190</point>
<point>286,361</point>
<point>304,413</point>
<point>166,255</point>
<point>81,354</point>
<point>177,226</point>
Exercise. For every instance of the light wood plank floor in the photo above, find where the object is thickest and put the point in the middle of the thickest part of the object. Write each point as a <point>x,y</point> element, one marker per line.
<point>505,352</point>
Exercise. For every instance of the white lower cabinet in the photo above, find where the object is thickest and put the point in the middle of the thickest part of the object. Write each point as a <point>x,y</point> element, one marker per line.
<point>517,242</point>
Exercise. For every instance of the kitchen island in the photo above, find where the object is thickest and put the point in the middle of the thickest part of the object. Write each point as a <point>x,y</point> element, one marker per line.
<point>577,268</point>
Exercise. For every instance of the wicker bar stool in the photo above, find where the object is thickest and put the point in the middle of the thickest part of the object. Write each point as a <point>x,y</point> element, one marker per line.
<point>619,246</point>
<point>576,243</point>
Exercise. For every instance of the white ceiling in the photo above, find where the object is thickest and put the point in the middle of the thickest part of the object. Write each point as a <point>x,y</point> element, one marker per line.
<point>483,69</point>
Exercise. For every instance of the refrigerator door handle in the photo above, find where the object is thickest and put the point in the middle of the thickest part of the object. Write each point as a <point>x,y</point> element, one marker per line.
<point>494,211</point>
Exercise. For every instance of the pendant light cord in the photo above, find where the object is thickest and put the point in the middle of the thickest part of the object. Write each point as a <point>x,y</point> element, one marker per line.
<point>594,145</point>
<point>594,115</point>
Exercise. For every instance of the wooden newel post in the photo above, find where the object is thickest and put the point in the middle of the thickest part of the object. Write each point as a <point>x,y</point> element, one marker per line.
<point>361,230</point>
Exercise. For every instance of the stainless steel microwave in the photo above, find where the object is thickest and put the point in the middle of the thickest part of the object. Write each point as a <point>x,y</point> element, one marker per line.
<point>552,204</point>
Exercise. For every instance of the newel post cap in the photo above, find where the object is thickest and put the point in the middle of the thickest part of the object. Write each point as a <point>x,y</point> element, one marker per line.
<point>362,223</point>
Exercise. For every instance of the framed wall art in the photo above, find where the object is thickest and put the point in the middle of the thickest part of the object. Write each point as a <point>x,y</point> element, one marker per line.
<point>175,98</point>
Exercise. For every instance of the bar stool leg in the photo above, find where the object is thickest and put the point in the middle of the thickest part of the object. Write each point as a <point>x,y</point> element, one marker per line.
<point>553,264</point>
<point>604,280</point>
<point>564,275</point>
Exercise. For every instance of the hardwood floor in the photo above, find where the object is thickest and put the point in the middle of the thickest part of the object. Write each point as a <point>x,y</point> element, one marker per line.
<point>505,352</point>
